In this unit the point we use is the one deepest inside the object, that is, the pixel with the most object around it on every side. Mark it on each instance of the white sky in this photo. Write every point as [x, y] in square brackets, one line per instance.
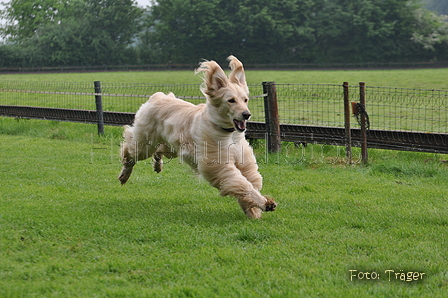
[143, 3]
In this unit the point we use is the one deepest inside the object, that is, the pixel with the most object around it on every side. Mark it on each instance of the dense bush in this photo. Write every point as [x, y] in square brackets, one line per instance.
[88, 32]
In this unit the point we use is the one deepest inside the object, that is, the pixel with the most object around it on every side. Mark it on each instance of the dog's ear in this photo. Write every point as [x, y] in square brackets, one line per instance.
[214, 78]
[237, 75]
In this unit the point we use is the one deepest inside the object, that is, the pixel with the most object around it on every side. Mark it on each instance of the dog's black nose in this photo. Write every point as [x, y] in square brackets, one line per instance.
[246, 115]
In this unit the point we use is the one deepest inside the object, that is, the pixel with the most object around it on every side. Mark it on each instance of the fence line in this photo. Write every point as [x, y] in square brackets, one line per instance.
[400, 118]
[95, 94]
[109, 94]
[117, 97]
[389, 108]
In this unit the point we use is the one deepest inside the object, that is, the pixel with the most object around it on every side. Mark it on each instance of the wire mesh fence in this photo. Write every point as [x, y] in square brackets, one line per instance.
[407, 109]
[116, 97]
[313, 105]
[397, 109]
[71, 95]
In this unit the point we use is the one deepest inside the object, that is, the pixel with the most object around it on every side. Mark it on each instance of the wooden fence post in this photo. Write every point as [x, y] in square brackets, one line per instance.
[348, 135]
[271, 116]
[99, 107]
[362, 101]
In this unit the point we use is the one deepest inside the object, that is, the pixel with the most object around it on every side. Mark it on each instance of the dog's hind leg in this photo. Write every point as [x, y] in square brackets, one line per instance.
[134, 148]
[126, 171]
[128, 156]
[162, 150]
[128, 165]
[158, 162]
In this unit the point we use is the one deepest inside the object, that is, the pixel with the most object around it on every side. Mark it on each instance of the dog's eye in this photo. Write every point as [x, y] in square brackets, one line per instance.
[246, 100]
[232, 100]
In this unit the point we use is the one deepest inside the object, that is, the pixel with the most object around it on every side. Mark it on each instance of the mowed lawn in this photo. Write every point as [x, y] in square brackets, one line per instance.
[68, 229]
[404, 78]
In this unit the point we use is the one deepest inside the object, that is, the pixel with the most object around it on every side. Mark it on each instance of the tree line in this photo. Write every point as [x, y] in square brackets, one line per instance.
[114, 32]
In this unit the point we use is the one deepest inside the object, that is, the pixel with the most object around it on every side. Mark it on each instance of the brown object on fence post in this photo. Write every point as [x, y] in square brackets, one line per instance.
[99, 107]
[348, 135]
[362, 101]
[271, 116]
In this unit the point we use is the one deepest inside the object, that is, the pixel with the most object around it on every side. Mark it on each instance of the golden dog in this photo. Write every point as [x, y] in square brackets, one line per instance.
[209, 137]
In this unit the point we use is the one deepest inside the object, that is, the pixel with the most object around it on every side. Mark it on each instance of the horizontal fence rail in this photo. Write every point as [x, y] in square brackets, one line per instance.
[400, 118]
[82, 116]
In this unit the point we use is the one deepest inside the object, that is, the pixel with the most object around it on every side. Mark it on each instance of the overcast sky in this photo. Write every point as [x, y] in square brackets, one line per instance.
[143, 3]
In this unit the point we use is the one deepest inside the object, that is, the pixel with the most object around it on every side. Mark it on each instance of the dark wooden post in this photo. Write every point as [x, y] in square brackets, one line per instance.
[99, 107]
[348, 135]
[362, 101]
[271, 116]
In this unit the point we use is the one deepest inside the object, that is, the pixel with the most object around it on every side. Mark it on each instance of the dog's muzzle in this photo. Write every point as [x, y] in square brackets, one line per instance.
[240, 125]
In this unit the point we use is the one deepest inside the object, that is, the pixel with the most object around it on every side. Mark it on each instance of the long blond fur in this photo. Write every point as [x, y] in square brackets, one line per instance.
[209, 137]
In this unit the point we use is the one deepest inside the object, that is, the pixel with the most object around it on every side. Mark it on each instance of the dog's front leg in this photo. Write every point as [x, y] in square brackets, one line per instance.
[229, 180]
[254, 210]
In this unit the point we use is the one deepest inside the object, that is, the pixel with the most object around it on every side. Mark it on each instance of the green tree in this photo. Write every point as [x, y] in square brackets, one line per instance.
[366, 30]
[255, 30]
[10, 56]
[67, 32]
[24, 17]
[271, 31]
[74, 32]
[432, 33]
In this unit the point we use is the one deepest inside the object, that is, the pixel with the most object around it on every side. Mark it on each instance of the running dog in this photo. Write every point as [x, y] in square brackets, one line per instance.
[209, 137]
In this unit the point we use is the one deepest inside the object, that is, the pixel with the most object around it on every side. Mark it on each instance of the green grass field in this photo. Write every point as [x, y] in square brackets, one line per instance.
[415, 78]
[68, 229]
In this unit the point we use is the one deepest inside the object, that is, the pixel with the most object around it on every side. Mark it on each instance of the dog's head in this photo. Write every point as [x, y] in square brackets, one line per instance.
[227, 98]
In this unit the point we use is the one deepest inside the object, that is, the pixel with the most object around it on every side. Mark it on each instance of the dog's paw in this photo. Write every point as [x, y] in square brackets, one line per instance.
[270, 205]
[125, 174]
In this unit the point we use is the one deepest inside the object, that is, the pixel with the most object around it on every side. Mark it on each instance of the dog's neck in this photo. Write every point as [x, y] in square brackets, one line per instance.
[229, 130]
[232, 129]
